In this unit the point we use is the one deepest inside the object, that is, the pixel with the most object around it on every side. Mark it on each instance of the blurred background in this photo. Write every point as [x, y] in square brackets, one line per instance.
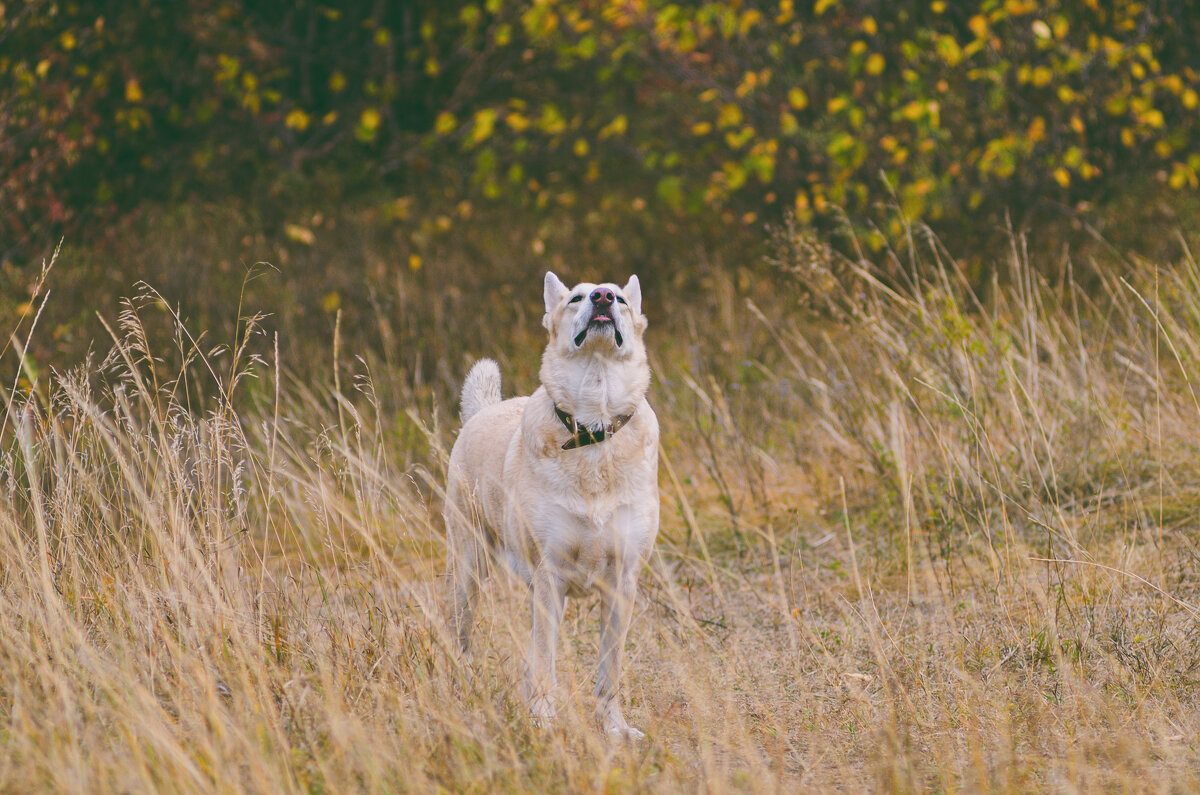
[924, 329]
[399, 162]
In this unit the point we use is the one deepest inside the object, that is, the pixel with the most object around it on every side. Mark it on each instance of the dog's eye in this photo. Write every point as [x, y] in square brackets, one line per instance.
[577, 299]
[620, 300]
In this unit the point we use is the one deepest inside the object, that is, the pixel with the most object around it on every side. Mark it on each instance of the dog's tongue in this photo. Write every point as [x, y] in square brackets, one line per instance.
[598, 318]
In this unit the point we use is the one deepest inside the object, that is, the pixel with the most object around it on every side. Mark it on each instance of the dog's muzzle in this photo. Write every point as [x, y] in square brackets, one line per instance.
[603, 315]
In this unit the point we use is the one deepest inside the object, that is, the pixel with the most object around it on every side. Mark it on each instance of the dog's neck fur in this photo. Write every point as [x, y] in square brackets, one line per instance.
[593, 387]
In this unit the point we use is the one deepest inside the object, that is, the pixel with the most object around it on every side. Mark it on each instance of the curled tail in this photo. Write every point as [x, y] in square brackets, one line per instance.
[481, 388]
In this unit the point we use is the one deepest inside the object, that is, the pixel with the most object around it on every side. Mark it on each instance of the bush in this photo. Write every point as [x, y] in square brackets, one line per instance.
[735, 110]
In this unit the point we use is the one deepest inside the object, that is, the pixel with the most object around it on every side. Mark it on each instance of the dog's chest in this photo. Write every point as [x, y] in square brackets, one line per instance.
[599, 473]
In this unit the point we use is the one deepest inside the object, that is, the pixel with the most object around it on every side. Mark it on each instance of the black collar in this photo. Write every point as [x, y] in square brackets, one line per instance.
[583, 436]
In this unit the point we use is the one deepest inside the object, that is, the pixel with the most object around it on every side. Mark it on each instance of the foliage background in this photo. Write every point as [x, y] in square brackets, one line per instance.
[729, 111]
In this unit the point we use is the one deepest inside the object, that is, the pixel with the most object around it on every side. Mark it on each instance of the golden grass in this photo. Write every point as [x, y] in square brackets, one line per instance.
[912, 541]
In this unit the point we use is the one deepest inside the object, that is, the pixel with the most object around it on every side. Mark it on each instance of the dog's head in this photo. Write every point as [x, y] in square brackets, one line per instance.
[594, 317]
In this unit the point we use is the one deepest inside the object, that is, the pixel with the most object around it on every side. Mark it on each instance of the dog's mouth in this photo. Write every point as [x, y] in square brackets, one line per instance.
[601, 318]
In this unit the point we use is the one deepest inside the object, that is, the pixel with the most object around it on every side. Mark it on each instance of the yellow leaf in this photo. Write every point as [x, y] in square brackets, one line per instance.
[581, 147]
[1037, 130]
[788, 125]
[978, 25]
[1189, 99]
[748, 84]
[1041, 29]
[617, 126]
[516, 121]
[803, 210]
[786, 12]
[300, 234]
[749, 19]
[337, 82]
[485, 122]
[414, 262]
[445, 123]
[297, 120]
[1062, 176]
[331, 301]
[552, 121]
[370, 119]
[730, 116]
[875, 64]
[869, 26]
[133, 91]
[67, 40]
[701, 128]
[797, 98]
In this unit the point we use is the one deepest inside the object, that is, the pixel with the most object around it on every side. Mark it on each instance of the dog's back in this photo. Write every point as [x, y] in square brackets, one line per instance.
[478, 455]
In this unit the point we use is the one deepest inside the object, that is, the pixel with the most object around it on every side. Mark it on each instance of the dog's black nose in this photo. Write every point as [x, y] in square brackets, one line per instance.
[602, 296]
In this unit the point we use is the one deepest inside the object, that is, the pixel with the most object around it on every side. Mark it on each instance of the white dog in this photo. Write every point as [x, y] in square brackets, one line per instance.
[562, 485]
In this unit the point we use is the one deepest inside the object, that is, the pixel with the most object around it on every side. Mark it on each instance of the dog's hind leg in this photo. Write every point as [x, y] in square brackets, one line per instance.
[466, 565]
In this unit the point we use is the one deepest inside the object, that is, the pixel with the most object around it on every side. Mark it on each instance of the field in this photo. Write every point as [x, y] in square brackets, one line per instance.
[917, 536]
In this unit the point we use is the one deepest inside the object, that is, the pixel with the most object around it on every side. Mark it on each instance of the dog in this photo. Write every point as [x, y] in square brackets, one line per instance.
[561, 485]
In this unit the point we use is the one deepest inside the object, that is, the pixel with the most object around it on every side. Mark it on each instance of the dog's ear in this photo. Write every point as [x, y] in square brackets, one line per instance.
[553, 293]
[633, 294]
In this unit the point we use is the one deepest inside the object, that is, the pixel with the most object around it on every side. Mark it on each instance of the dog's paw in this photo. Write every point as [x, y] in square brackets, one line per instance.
[624, 733]
[542, 712]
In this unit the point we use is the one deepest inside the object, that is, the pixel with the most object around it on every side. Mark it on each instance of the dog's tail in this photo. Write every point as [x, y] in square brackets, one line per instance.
[481, 388]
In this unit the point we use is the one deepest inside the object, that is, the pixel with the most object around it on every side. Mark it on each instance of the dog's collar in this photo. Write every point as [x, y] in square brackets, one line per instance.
[582, 436]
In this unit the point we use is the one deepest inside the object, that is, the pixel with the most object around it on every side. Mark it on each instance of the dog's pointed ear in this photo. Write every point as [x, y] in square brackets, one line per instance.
[554, 291]
[633, 294]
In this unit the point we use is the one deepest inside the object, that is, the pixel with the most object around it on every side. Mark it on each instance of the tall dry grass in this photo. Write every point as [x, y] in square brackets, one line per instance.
[913, 540]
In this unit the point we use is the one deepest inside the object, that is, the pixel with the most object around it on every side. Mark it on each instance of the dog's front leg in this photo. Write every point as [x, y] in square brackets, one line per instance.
[616, 612]
[548, 595]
